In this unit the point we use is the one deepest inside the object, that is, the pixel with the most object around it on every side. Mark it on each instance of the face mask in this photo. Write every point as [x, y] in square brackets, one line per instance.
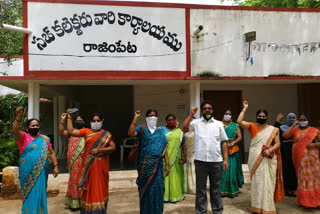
[227, 117]
[79, 125]
[171, 123]
[303, 123]
[96, 126]
[291, 122]
[207, 116]
[261, 120]
[33, 131]
[152, 123]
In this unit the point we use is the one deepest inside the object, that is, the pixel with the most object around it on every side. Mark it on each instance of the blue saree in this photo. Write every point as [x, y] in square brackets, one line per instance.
[33, 172]
[150, 170]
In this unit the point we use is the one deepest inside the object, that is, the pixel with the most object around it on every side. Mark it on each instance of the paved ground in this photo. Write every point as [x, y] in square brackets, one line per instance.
[126, 202]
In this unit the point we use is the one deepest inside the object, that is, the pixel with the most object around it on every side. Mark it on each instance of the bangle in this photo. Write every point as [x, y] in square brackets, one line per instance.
[56, 165]
[18, 120]
[133, 124]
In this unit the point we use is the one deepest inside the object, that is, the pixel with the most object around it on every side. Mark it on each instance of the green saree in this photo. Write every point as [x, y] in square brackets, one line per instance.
[175, 183]
[232, 179]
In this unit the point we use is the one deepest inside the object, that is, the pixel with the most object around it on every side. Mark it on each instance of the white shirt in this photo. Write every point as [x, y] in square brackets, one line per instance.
[208, 137]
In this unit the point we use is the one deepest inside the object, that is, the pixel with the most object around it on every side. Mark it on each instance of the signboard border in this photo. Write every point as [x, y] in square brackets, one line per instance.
[108, 75]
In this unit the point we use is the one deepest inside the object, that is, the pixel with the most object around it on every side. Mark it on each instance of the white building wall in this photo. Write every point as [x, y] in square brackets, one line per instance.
[274, 98]
[280, 36]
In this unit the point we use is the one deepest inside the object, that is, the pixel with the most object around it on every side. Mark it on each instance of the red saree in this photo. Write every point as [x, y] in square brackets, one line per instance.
[94, 178]
[307, 164]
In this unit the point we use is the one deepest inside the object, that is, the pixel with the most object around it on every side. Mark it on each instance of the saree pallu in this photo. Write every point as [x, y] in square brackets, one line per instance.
[33, 172]
[150, 171]
[74, 163]
[232, 179]
[191, 171]
[307, 164]
[266, 182]
[175, 183]
[94, 177]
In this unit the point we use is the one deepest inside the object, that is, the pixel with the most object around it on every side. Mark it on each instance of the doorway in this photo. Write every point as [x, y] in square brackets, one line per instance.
[223, 100]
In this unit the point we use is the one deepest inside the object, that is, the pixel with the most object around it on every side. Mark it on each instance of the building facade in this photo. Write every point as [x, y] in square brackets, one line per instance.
[116, 57]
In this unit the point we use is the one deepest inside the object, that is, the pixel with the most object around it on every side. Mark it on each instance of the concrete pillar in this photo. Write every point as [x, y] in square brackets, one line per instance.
[195, 98]
[33, 100]
[55, 125]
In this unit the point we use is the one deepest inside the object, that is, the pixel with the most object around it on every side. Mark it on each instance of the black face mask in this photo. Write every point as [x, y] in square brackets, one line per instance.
[79, 125]
[33, 131]
[261, 120]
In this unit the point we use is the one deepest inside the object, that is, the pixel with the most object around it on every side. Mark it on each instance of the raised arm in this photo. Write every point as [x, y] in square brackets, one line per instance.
[16, 124]
[288, 133]
[62, 131]
[243, 124]
[72, 131]
[132, 129]
[187, 121]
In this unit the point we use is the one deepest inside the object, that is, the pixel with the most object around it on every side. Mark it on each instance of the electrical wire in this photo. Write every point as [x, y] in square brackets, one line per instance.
[127, 56]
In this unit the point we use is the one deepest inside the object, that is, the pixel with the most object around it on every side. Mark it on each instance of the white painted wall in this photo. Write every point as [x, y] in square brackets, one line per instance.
[222, 39]
[164, 98]
[274, 98]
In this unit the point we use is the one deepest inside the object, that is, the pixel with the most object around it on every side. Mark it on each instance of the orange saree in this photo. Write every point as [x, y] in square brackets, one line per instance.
[94, 178]
[307, 164]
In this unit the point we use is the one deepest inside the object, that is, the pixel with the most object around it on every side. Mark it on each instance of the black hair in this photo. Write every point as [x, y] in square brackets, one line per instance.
[262, 111]
[228, 110]
[30, 120]
[151, 110]
[205, 103]
[98, 115]
[81, 117]
[304, 114]
[170, 115]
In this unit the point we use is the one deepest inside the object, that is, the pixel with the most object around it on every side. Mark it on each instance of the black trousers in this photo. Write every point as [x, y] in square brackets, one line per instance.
[214, 171]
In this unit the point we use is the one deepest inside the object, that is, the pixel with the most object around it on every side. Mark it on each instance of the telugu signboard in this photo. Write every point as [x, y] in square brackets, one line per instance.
[84, 37]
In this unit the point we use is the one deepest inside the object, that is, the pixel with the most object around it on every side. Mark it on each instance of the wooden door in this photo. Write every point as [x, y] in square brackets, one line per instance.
[223, 100]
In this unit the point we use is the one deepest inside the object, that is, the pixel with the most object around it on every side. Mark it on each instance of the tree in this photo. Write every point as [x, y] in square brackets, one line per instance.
[11, 42]
[279, 3]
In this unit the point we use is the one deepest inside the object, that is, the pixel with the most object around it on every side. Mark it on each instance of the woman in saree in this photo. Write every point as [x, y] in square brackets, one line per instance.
[232, 179]
[289, 174]
[35, 151]
[306, 160]
[74, 161]
[264, 162]
[152, 150]
[94, 176]
[175, 183]
[191, 171]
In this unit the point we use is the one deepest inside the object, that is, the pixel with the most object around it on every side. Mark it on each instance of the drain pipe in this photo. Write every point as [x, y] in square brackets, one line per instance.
[15, 28]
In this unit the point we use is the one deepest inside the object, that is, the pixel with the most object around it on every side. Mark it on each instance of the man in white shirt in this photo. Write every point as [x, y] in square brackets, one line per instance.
[209, 136]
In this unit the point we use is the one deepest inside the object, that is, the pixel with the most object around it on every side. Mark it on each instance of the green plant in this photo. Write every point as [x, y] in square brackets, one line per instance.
[8, 105]
[9, 151]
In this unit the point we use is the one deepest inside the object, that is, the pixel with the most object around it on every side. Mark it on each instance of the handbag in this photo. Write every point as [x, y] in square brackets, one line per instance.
[134, 151]
[233, 149]
[265, 148]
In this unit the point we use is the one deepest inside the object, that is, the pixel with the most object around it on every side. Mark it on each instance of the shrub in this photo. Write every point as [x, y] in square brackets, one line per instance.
[9, 151]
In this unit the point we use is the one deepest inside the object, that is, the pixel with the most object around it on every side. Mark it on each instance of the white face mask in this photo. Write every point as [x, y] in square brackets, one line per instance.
[227, 117]
[96, 126]
[152, 123]
[303, 123]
